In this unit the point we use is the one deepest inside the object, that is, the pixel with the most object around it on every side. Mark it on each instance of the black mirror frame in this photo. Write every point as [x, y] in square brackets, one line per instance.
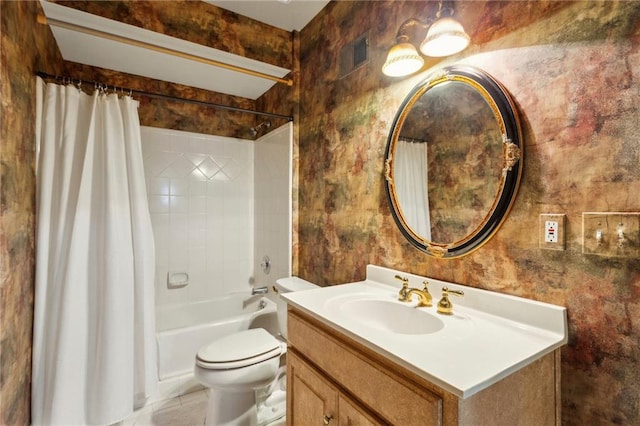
[505, 112]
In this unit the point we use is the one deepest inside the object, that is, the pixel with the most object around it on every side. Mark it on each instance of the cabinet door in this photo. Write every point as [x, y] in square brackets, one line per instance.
[352, 415]
[391, 396]
[312, 400]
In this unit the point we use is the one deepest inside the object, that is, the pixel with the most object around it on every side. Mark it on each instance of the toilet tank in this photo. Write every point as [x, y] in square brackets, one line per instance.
[287, 285]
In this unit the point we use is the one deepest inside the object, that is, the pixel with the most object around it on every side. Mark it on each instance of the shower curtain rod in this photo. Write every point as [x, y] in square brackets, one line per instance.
[97, 33]
[96, 84]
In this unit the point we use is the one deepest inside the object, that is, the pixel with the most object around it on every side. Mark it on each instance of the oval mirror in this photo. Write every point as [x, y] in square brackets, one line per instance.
[453, 161]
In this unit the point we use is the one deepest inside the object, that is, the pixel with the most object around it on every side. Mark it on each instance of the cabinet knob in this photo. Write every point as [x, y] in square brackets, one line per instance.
[326, 420]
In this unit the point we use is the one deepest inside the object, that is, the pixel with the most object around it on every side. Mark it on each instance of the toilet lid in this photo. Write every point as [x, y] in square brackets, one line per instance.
[239, 349]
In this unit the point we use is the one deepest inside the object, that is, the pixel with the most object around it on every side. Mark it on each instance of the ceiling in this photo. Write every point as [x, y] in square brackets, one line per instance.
[286, 14]
[105, 52]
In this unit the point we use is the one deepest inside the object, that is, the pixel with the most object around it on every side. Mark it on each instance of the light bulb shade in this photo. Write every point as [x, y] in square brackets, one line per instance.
[445, 37]
[403, 59]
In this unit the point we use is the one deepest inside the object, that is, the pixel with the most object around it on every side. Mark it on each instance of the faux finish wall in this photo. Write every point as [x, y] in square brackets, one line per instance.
[573, 70]
[26, 47]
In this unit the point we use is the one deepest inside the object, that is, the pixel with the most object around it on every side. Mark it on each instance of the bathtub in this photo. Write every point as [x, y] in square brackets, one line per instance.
[182, 329]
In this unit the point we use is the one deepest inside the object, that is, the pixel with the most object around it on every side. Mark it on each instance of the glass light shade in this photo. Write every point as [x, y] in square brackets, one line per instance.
[445, 37]
[403, 59]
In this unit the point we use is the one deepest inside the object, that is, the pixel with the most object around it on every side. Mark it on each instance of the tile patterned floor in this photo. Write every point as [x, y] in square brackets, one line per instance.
[185, 410]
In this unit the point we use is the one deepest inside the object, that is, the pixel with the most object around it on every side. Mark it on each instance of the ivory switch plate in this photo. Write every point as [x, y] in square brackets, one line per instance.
[552, 231]
[611, 234]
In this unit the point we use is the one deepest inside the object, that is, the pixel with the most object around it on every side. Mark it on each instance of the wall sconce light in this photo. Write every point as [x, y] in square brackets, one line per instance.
[444, 37]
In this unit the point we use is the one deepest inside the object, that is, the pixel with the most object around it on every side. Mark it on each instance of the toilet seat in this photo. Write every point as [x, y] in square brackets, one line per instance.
[239, 350]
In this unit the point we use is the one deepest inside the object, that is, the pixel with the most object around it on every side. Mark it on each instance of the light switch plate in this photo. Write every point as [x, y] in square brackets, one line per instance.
[552, 231]
[611, 234]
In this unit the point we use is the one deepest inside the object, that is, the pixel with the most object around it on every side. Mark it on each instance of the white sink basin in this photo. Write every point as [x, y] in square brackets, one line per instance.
[391, 316]
[488, 337]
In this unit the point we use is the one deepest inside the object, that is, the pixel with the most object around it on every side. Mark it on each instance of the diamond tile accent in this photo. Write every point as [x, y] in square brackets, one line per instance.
[181, 167]
[197, 175]
[209, 167]
[232, 169]
[196, 159]
[158, 161]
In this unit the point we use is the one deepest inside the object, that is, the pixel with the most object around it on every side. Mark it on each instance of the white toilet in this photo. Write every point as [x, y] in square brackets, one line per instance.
[237, 366]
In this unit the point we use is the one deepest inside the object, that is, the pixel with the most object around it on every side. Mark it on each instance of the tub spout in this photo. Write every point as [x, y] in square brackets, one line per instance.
[259, 290]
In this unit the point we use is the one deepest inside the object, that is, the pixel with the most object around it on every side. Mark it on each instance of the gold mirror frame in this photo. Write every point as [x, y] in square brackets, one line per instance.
[507, 120]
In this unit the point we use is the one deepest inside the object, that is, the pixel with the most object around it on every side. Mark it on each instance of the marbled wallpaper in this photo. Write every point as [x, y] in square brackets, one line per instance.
[573, 71]
[26, 47]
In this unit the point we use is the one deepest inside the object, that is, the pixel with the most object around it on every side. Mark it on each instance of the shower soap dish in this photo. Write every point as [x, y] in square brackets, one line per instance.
[177, 279]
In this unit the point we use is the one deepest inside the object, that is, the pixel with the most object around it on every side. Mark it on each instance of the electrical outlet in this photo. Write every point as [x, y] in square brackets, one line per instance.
[552, 231]
[611, 234]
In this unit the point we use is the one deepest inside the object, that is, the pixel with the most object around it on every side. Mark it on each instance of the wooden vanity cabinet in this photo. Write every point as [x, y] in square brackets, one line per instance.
[334, 380]
[315, 400]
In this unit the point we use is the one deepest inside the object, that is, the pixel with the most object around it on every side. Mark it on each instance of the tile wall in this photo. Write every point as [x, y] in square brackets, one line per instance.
[200, 190]
[272, 192]
[216, 212]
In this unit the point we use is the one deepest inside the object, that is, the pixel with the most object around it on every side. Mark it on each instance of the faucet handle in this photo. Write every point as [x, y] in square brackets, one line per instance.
[403, 294]
[445, 306]
[404, 280]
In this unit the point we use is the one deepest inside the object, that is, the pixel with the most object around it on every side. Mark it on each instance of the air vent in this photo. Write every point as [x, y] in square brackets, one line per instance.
[354, 55]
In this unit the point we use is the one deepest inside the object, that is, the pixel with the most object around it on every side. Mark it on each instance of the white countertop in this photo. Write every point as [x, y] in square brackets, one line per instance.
[488, 337]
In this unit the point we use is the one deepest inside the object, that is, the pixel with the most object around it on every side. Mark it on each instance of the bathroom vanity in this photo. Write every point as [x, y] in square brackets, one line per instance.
[358, 356]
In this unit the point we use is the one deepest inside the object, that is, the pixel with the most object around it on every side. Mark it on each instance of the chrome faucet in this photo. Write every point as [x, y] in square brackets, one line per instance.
[259, 290]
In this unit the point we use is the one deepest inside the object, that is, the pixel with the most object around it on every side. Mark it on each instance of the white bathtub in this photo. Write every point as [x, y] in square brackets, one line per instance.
[183, 329]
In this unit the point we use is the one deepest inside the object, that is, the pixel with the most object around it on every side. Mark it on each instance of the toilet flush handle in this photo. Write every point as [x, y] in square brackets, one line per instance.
[327, 419]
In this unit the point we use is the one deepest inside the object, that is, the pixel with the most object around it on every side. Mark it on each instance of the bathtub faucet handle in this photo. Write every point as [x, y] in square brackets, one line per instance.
[266, 265]
[259, 290]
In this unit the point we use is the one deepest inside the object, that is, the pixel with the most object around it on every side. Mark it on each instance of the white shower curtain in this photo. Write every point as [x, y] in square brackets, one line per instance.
[94, 327]
[411, 182]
